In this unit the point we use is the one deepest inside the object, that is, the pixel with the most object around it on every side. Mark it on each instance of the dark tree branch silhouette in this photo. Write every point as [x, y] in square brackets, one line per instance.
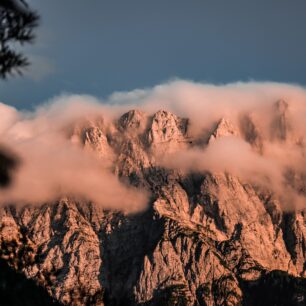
[17, 24]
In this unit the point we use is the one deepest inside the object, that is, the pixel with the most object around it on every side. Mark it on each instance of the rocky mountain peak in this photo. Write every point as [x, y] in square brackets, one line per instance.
[280, 126]
[251, 132]
[224, 128]
[133, 120]
[93, 137]
[281, 106]
[166, 130]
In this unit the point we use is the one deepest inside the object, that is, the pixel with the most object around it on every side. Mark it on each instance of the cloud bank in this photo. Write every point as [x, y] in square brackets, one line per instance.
[53, 166]
[268, 148]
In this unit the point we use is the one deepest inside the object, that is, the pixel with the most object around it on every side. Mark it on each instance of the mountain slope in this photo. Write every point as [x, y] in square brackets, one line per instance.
[207, 238]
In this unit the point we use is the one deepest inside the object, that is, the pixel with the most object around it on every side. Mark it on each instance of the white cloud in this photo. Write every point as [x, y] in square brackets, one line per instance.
[52, 164]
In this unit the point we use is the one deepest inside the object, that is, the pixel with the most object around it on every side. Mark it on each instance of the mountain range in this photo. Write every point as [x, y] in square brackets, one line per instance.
[207, 236]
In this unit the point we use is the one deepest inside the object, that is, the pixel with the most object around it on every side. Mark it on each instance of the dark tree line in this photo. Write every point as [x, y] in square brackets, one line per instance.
[17, 26]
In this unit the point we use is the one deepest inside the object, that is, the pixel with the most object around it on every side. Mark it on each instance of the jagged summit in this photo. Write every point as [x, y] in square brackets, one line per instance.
[281, 106]
[166, 127]
[94, 138]
[280, 126]
[223, 128]
[251, 132]
[133, 119]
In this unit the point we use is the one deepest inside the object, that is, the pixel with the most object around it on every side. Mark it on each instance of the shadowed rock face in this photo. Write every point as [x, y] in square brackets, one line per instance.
[206, 239]
[17, 290]
[275, 288]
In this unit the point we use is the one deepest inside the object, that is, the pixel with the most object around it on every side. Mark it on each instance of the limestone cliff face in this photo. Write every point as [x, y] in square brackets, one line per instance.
[204, 237]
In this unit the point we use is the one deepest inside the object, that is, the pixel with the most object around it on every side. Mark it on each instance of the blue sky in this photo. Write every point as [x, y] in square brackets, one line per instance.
[97, 47]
